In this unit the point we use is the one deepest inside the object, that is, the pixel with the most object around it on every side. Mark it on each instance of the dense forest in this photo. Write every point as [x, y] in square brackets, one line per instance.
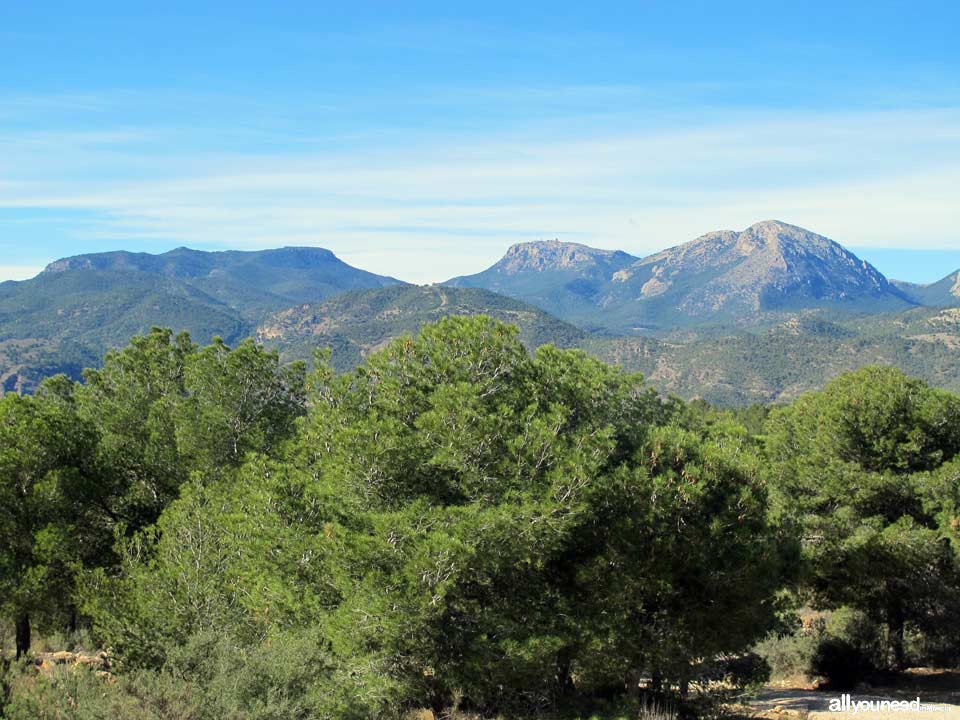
[460, 525]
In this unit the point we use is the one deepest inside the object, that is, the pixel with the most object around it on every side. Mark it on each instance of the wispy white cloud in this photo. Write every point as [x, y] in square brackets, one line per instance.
[444, 203]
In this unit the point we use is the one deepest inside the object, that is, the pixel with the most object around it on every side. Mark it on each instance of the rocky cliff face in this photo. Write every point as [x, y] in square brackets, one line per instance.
[768, 266]
[723, 277]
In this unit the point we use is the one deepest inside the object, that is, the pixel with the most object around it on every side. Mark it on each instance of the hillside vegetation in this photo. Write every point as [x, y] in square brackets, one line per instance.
[68, 316]
[354, 324]
[779, 363]
[458, 524]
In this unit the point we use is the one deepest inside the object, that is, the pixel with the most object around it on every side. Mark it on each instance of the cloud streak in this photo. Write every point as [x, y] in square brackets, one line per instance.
[447, 203]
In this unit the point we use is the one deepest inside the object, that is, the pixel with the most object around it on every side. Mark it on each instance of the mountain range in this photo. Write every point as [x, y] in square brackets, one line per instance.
[735, 317]
[736, 279]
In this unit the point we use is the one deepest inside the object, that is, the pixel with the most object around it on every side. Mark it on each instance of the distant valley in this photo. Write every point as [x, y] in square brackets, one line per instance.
[735, 317]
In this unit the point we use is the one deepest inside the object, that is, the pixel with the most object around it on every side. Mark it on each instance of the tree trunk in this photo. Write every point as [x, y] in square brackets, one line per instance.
[23, 635]
[895, 631]
[562, 680]
[656, 682]
[439, 701]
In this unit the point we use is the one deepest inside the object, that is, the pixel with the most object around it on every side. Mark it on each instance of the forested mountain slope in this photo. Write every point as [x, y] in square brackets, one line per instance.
[66, 317]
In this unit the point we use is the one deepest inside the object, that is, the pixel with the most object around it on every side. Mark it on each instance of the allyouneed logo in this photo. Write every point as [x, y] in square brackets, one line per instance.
[845, 703]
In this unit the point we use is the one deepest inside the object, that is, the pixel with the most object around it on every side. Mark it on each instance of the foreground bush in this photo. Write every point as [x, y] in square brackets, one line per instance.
[789, 654]
[459, 521]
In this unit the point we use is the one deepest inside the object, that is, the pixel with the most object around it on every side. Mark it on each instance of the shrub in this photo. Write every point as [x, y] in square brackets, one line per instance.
[841, 663]
[854, 627]
[288, 676]
[68, 693]
[789, 655]
[747, 672]
[654, 709]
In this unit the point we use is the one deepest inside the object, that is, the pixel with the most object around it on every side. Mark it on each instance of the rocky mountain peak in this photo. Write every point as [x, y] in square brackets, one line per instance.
[773, 246]
[544, 255]
[780, 237]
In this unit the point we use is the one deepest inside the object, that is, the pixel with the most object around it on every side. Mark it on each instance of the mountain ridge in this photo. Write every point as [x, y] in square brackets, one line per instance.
[942, 293]
[252, 281]
[723, 277]
[554, 254]
[68, 315]
[561, 278]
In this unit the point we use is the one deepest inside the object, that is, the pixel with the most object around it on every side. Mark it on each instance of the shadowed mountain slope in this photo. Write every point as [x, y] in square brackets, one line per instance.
[943, 293]
[251, 282]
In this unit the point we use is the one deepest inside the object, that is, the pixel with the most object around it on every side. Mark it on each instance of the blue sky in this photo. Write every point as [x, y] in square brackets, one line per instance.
[420, 140]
